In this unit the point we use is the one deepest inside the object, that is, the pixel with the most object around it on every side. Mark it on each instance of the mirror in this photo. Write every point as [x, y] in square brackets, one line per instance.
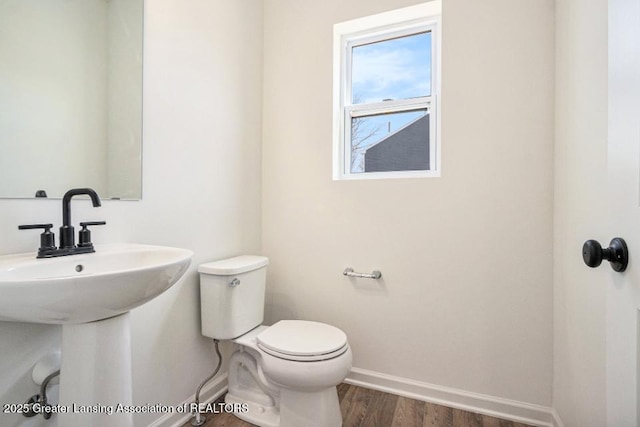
[71, 97]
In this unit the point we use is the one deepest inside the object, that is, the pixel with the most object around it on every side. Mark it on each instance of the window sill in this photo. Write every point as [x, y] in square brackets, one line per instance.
[387, 175]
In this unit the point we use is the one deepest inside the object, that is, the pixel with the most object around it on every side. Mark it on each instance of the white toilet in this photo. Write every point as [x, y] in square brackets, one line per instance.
[287, 373]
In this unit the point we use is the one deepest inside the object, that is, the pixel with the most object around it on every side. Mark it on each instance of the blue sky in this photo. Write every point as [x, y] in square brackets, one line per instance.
[392, 69]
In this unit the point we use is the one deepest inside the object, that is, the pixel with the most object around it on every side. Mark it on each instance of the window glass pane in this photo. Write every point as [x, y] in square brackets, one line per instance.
[399, 68]
[390, 142]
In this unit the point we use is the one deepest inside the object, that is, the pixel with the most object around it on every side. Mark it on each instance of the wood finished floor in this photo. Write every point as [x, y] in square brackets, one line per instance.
[362, 407]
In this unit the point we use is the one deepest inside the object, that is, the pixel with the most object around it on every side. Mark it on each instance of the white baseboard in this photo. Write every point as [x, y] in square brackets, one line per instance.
[473, 402]
[210, 392]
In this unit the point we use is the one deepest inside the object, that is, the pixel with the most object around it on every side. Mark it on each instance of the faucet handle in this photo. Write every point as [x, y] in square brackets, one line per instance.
[84, 239]
[90, 223]
[47, 238]
[47, 227]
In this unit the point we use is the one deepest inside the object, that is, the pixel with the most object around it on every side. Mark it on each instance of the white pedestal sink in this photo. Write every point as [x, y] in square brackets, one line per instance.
[90, 295]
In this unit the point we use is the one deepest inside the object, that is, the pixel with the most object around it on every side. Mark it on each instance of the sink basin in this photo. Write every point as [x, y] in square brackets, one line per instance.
[89, 287]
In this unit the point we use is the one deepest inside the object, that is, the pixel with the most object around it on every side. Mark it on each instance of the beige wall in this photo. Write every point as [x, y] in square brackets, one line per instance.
[466, 299]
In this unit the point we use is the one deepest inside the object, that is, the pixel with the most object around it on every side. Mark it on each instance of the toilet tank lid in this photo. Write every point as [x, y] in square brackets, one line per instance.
[235, 265]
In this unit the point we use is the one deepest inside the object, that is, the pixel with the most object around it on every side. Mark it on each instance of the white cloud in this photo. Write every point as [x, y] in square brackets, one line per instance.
[387, 73]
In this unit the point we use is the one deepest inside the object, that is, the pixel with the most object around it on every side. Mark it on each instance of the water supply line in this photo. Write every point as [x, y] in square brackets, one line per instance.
[198, 418]
[40, 399]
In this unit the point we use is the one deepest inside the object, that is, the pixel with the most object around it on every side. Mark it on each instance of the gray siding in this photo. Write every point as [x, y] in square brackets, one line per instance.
[407, 149]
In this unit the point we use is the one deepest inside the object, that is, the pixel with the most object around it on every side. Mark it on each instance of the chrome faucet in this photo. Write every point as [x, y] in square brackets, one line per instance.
[67, 234]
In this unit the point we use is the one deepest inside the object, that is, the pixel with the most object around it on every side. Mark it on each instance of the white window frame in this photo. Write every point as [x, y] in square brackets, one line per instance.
[403, 22]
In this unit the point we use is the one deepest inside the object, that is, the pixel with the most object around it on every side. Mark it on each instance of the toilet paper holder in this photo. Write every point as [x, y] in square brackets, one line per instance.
[350, 273]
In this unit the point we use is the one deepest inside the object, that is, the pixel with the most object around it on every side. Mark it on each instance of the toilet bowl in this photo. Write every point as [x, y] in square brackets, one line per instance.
[285, 375]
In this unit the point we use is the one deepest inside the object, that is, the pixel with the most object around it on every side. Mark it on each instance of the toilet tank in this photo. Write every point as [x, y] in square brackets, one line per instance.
[232, 295]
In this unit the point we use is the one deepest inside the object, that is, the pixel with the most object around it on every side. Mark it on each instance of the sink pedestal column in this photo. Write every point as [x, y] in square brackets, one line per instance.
[96, 373]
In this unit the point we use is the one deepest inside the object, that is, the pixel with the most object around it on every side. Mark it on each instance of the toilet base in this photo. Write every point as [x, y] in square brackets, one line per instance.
[309, 409]
[315, 409]
[260, 415]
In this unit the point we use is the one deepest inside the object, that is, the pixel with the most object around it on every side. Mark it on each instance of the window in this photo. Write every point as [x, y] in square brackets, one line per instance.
[386, 87]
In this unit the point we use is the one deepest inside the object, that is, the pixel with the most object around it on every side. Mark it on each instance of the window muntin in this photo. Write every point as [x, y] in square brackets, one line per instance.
[386, 73]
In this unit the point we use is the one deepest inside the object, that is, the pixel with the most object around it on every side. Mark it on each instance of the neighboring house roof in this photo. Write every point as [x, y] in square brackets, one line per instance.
[405, 149]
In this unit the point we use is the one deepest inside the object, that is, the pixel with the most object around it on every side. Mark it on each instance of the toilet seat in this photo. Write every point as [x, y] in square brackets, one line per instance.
[302, 341]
